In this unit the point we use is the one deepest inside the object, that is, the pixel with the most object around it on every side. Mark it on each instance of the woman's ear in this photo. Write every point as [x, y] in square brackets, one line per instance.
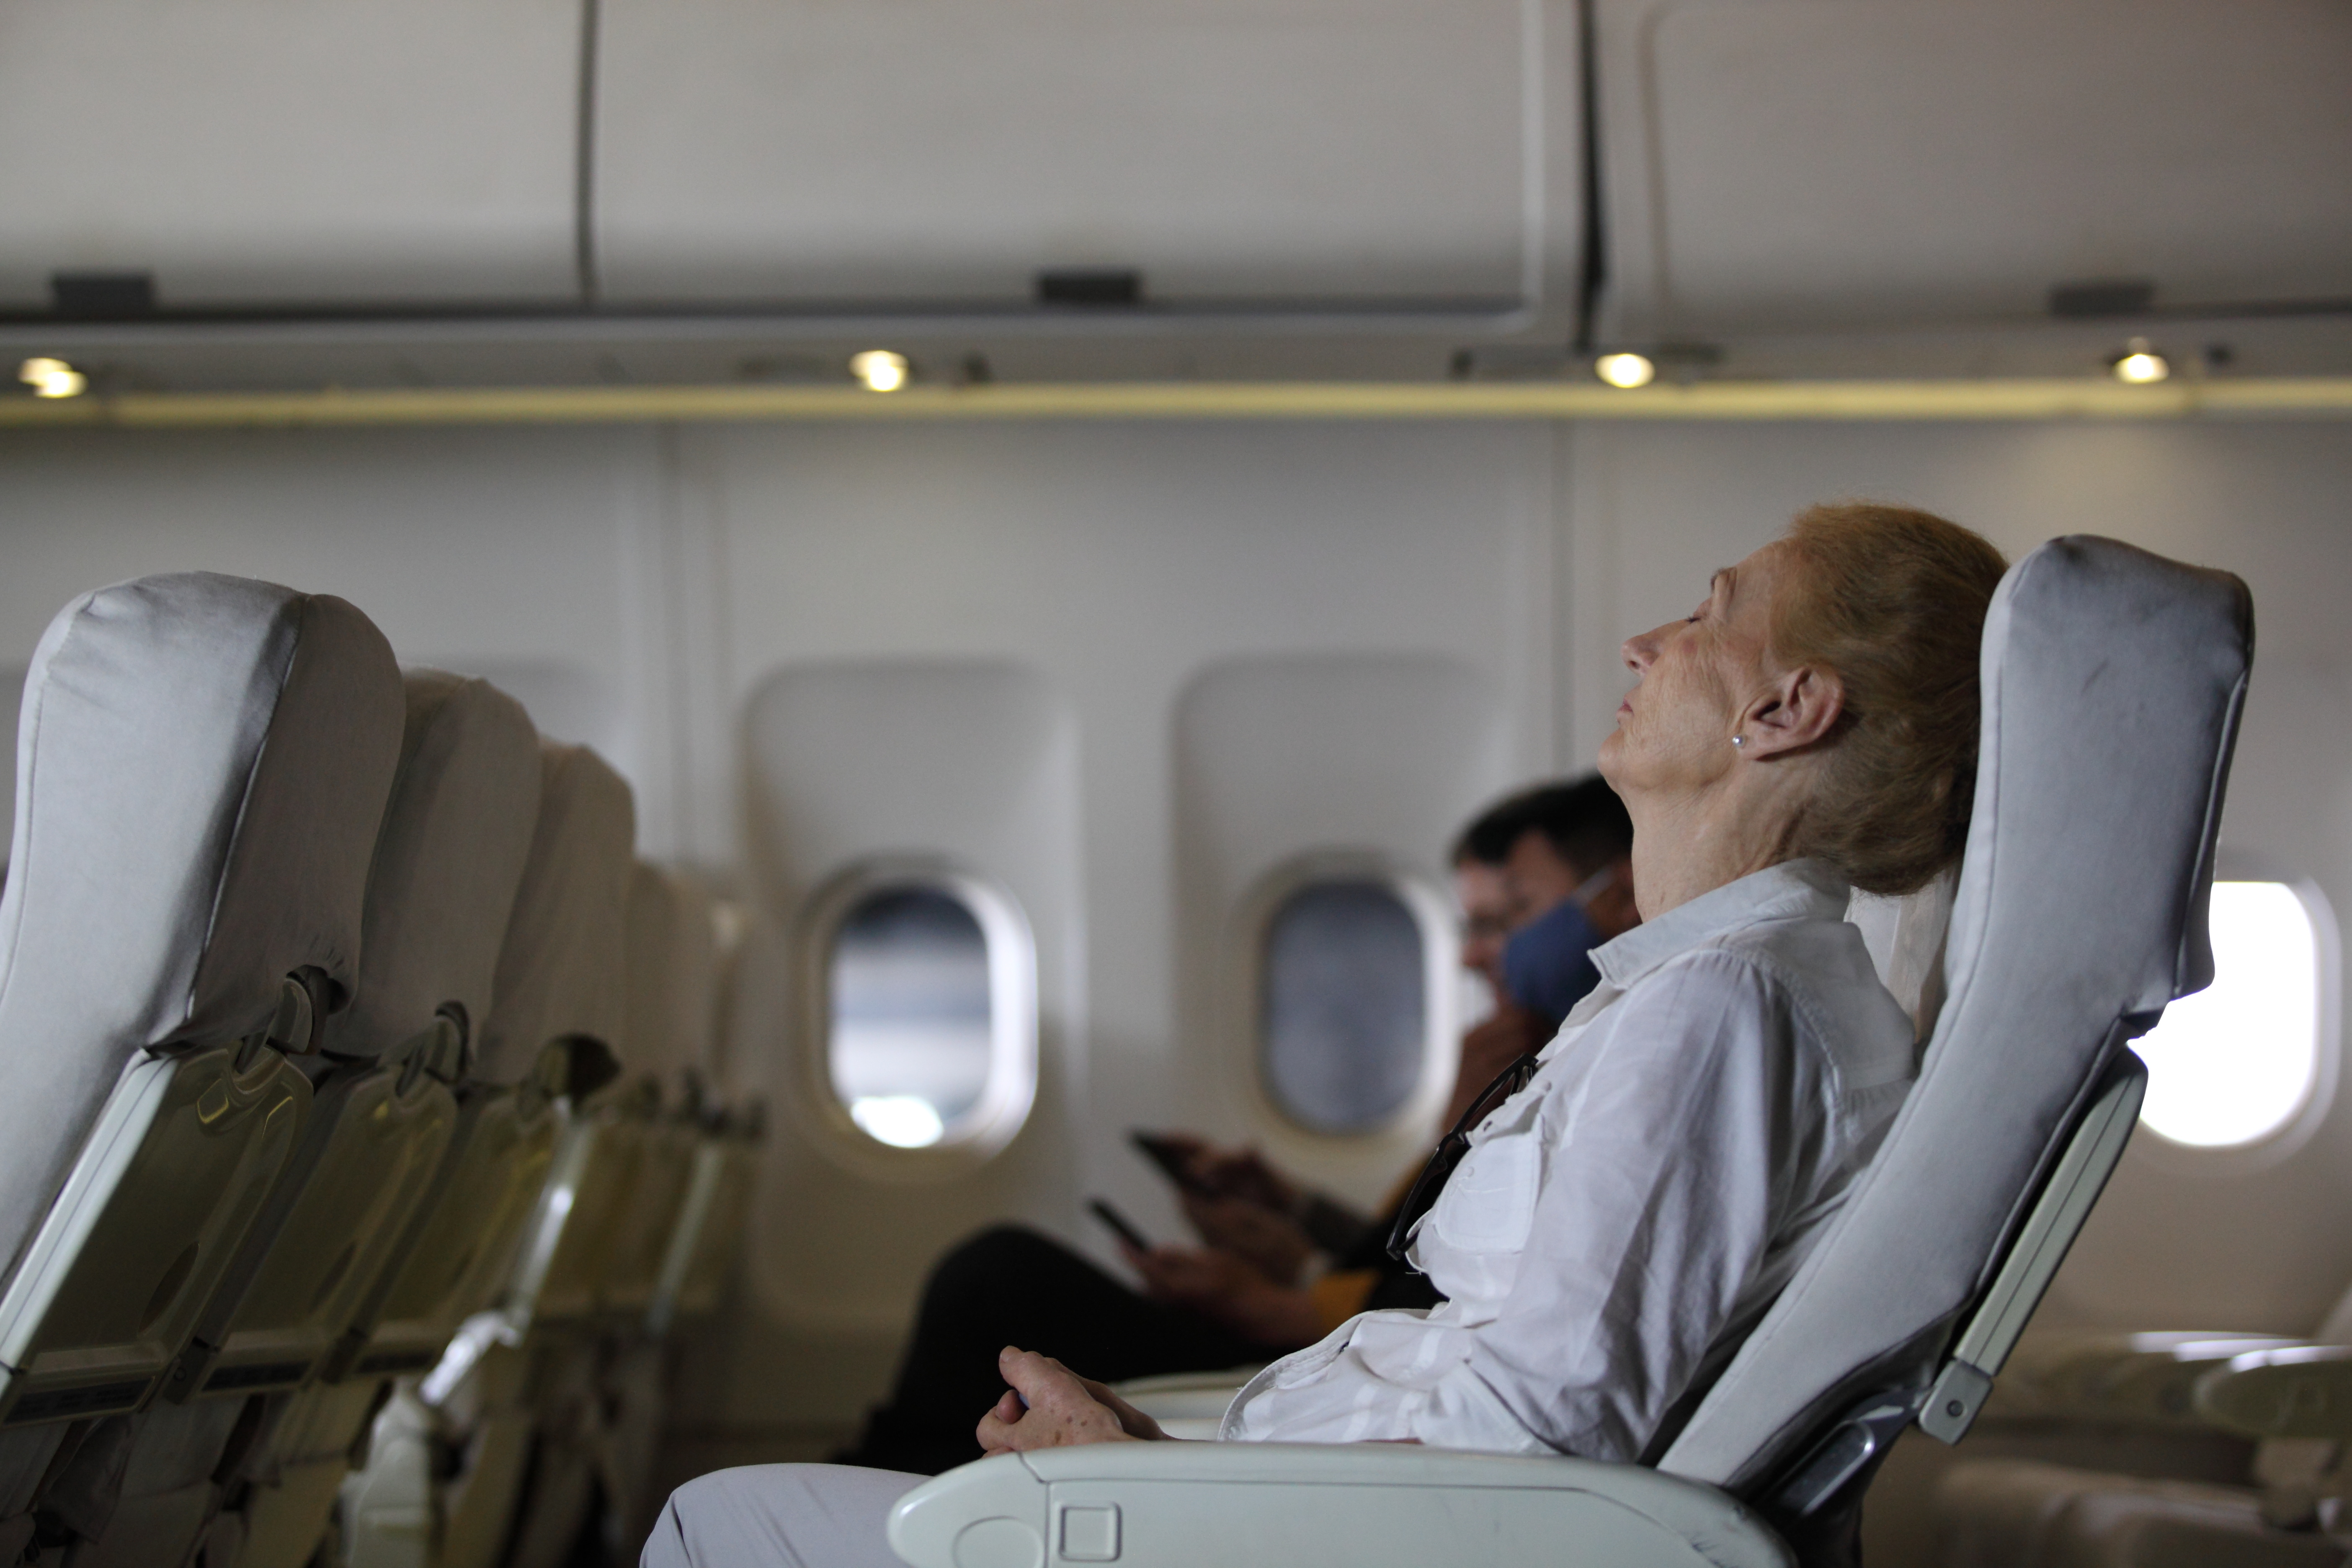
[1801, 707]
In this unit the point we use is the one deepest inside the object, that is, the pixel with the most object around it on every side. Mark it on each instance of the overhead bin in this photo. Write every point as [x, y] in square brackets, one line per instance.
[278, 153]
[1802, 164]
[950, 152]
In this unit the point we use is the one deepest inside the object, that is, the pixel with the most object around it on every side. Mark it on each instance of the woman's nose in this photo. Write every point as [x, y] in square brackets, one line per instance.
[1639, 651]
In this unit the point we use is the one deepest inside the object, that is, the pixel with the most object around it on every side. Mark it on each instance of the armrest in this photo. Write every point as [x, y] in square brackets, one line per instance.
[2294, 1391]
[1187, 1404]
[2146, 1379]
[1294, 1505]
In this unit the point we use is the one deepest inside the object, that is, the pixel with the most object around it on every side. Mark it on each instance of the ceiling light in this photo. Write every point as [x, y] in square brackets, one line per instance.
[879, 369]
[51, 378]
[2139, 364]
[1624, 370]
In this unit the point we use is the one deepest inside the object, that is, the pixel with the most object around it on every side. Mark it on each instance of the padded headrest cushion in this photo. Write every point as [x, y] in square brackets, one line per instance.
[447, 862]
[2112, 683]
[562, 967]
[202, 765]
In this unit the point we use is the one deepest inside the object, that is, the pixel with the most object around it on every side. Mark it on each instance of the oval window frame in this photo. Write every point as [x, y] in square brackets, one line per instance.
[1010, 1091]
[1248, 930]
[2288, 1138]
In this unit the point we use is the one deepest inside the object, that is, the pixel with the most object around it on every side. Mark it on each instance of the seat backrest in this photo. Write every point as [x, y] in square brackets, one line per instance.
[563, 981]
[746, 945]
[2113, 682]
[441, 887]
[448, 869]
[673, 962]
[561, 971]
[202, 764]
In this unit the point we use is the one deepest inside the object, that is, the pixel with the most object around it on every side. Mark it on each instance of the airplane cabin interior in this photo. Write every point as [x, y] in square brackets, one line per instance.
[719, 702]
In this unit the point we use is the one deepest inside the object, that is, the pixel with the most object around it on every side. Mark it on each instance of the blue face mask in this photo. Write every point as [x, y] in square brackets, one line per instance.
[1547, 965]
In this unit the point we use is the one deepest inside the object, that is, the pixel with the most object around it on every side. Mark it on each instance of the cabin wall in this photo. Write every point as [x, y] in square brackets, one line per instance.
[637, 585]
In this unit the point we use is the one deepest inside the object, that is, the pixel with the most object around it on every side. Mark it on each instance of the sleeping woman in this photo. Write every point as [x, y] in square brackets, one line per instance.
[1611, 1218]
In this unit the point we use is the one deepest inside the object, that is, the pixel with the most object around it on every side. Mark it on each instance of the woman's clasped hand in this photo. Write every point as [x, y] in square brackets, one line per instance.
[1050, 1406]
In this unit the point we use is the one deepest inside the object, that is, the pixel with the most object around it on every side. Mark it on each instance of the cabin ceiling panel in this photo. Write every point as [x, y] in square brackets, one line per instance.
[948, 151]
[1800, 164]
[269, 152]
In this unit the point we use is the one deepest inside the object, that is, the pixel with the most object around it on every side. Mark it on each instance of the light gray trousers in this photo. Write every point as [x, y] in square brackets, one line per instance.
[780, 1516]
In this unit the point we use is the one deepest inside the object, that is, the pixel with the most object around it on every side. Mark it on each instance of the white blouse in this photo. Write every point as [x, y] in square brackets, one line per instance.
[1619, 1226]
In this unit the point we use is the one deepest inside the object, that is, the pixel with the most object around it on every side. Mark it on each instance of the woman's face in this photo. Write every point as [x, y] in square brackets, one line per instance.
[1693, 679]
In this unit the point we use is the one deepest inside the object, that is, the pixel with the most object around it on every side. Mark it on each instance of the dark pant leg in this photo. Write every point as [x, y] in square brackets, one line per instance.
[1009, 1286]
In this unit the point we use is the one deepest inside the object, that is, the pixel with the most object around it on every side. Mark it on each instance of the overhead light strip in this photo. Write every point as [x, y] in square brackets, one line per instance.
[1718, 400]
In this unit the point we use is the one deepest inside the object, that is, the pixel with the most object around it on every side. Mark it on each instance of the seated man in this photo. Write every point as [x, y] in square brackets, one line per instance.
[1243, 1297]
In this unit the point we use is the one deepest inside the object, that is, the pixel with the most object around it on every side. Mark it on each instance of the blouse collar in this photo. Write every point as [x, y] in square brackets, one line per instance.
[1803, 889]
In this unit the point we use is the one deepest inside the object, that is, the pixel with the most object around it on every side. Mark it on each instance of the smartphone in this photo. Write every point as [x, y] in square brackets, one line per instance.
[1172, 1161]
[1119, 1224]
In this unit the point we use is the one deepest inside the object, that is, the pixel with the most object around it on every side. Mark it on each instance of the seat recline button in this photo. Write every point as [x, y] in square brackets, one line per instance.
[1090, 1534]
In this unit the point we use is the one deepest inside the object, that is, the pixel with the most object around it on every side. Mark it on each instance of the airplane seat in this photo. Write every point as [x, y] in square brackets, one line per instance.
[669, 1006]
[702, 1256]
[452, 1452]
[2289, 1510]
[672, 965]
[203, 763]
[2112, 683]
[624, 1367]
[446, 867]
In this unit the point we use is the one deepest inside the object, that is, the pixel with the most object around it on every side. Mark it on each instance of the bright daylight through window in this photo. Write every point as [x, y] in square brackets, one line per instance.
[909, 1049]
[2235, 1062]
[1343, 1018]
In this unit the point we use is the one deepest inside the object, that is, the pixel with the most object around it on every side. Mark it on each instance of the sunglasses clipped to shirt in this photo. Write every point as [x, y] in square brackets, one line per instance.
[1451, 1148]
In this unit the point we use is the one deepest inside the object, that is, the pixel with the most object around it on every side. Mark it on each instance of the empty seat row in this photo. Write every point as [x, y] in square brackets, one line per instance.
[313, 992]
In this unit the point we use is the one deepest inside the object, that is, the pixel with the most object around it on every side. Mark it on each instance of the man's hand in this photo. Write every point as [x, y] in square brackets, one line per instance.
[1241, 1173]
[1273, 1244]
[1050, 1406]
[1223, 1286]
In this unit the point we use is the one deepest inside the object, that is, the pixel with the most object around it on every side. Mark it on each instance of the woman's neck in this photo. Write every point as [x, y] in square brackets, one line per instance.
[1695, 844]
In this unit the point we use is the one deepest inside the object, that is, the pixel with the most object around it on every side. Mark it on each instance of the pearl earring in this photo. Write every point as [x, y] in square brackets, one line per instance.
[1739, 740]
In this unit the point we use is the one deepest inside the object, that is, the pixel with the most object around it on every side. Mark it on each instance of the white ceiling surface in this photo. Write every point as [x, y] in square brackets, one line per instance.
[1316, 149]
[1779, 165]
[278, 151]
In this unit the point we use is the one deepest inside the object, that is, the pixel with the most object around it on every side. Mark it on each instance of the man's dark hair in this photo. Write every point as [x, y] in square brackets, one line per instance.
[1584, 821]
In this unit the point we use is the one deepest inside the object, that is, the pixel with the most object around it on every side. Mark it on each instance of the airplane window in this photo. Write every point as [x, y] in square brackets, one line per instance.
[1343, 1018]
[912, 1035]
[2235, 1062]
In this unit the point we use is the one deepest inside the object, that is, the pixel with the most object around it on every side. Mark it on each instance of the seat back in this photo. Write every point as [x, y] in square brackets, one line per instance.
[2112, 682]
[719, 1204]
[561, 981]
[203, 763]
[384, 1112]
[443, 887]
[671, 959]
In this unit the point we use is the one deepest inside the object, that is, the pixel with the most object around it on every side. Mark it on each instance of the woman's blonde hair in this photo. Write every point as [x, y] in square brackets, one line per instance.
[1893, 601]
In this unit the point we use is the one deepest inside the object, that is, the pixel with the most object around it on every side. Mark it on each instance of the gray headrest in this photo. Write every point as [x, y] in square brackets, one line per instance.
[2113, 682]
[202, 763]
[562, 968]
[447, 862]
